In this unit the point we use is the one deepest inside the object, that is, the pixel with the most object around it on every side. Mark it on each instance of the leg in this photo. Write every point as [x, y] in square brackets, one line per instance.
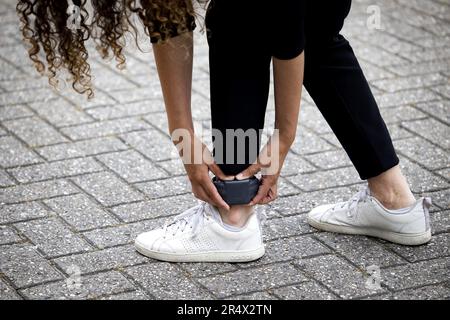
[335, 81]
[239, 79]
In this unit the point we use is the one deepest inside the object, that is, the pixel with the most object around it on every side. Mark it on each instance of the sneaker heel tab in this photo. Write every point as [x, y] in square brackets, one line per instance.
[427, 203]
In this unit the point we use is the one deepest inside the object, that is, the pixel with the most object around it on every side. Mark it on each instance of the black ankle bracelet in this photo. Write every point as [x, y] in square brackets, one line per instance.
[237, 192]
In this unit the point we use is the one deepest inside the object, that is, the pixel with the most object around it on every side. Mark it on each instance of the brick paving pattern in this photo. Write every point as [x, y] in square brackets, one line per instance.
[80, 179]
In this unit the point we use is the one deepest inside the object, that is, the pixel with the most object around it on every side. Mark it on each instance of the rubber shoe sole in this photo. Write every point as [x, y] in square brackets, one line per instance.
[414, 239]
[214, 256]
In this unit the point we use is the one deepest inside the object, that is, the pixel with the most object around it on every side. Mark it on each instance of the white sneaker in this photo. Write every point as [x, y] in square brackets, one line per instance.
[198, 235]
[365, 215]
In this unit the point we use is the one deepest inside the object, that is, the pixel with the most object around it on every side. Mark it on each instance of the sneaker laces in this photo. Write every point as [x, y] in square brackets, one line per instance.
[193, 218]
[351, 205]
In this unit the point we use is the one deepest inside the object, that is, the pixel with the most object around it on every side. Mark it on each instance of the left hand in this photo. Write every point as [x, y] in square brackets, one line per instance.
[269, 162]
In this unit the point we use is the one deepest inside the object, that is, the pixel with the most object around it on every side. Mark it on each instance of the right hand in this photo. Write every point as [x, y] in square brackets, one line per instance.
[202, 186]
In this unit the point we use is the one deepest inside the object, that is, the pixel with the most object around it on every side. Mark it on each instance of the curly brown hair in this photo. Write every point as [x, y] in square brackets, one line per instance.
[54, 47]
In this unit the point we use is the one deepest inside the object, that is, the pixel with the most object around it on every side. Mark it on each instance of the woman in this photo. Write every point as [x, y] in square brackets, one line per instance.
[244, 38]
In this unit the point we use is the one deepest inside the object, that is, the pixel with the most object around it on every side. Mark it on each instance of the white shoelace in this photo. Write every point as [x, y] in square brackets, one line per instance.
[352, 204]
[193, 218]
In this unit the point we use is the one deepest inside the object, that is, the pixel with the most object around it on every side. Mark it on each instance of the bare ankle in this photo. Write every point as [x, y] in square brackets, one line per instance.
[392, 189]
[237, 216]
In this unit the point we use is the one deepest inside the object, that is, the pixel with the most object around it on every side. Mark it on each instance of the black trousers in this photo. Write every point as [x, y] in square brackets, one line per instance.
[243, 36]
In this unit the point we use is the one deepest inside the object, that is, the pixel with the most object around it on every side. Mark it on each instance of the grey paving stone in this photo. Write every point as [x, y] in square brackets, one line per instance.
[432, 130]
[14, 112]
[13, 153]
[440, 221]
[443, 90]
[308, 142]
[200, 270]
[339, 276]
[260, 295]
[100, 99]
[121, 234]
[21, 264]
[440, 199]
[360, 250]
[390, 43]
[433, 292]
[438, 247]
[60, 112]
[294, 164]
[305, 291]
[416, 274]
[21, 212]
[286, 249]
[174, 167]
[155, 208]
[256, 279]
[112, 258]
[397, 132]
[414, 82]
[104, 128]
[420, 179]
[131, 295]
[326, 179]
[126, 110]
[381, 58]
[52, 237]
[5, 179]
[34, 131]
[159, 121]
[165, 187]
[8, 293]
[81, 148]
[402, 113]
[107, 188]
[286, 188]
[24, 96]
[286, 227]
[164, 281]
[132, 166]
[330, 159]
[304, 202]
[423, 152]
[444, 173]
[20, 85]
[8, 235]
[35, 191]
[311, 118]
[88, 287]
[406, 97]
[437, 109]
[2, 132]
[81, 212]
[53, 170]
[152, 144]
[147, 93]
[420, 68]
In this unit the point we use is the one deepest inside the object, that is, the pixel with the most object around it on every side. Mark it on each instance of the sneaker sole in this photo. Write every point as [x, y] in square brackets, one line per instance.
[217, 256]
[414, 239]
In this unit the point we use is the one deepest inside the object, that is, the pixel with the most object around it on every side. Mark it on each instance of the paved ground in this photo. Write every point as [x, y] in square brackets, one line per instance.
[78, 180]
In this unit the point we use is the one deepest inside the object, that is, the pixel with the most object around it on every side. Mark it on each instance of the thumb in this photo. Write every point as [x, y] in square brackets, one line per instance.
[249, 172]
[218, 172]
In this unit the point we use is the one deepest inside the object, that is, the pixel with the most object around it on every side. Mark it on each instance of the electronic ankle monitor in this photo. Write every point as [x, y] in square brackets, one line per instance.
[237, 191]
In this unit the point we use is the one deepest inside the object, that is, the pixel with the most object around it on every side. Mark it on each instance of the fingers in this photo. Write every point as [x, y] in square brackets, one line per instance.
[218, 172]
[214, 195]
[249, 172]
[262, 191]
[271, 196]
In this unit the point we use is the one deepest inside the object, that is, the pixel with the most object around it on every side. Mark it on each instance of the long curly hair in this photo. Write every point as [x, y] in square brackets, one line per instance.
[55, 47]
